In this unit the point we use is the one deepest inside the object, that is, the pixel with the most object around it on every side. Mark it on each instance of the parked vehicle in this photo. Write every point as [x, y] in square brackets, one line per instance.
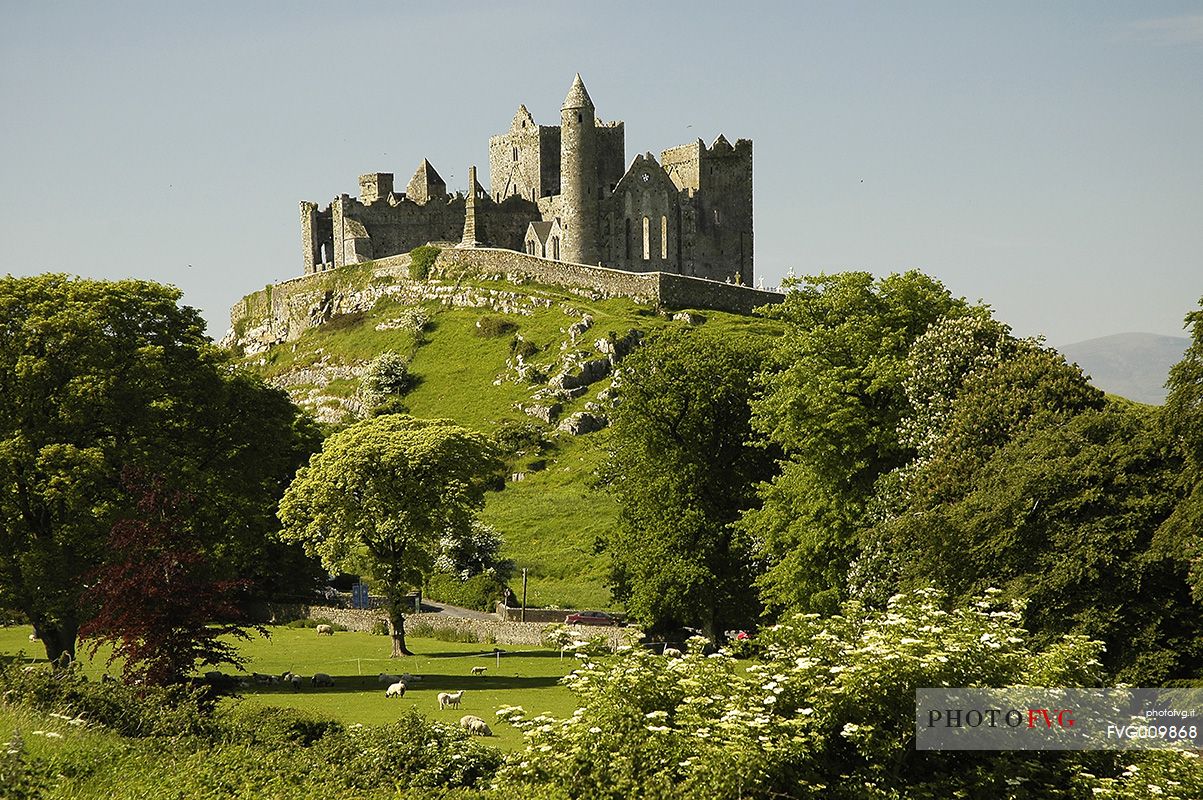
[591, 618]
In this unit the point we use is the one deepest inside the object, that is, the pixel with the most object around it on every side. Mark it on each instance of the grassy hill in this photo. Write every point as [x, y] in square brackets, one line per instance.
[464, 358]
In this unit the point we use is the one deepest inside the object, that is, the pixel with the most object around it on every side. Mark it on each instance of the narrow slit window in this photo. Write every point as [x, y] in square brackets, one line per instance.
[664, 238]
[647, 245]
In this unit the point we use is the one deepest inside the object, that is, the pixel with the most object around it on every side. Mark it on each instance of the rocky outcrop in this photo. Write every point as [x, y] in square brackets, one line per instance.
[548, 413]
[589, 372]
[581, 423]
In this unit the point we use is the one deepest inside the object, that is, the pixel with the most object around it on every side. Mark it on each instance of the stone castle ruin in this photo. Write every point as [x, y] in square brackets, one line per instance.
[560, 192]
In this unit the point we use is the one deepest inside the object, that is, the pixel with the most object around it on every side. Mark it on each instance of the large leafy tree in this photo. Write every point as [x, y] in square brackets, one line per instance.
[1064, 515]
[379, 496]
[98, 376]
[972, 387]
[682, 467]
[1182, 419]
[158, 600]
[833, 400]
[1025, 478]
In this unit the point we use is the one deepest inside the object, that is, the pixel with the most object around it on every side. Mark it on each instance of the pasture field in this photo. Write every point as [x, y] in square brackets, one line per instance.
[526, 676]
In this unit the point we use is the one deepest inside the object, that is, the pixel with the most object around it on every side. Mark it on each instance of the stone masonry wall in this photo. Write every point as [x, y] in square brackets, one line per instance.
[684, 291]
[607, 282]
[491, 631]
[284, 311]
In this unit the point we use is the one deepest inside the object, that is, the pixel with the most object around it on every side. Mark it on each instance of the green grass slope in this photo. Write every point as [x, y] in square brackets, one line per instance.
[551, 519]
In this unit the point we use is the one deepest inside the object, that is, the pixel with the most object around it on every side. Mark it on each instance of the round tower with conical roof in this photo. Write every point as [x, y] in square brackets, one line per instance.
[578, 176]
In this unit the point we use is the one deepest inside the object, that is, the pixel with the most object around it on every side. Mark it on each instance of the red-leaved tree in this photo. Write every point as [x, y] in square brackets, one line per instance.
[157, 599]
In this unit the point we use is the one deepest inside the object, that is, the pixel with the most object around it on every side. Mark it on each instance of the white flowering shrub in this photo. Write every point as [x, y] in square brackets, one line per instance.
[472, 551]
[828, 711]
[1155, 775]
[388, 376]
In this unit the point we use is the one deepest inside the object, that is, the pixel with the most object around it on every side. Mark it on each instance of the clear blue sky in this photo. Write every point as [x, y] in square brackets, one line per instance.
[1044, 157]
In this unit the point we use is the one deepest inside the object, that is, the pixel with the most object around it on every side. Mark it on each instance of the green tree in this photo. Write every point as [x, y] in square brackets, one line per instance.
[98, 376]
[682, 469]
[833, 400]
[1024, 478]
[1182, 419]
[379, 495]
[1064, 516]
[972, 387]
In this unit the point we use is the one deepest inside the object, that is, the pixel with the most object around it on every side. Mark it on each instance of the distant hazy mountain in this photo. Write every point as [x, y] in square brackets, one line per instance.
[1132, 365]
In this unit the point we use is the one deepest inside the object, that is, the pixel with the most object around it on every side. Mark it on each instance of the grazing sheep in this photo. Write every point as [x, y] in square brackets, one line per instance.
[295, 681]
[396, 690]
[407, 678]
[450, 699]
[260, 678]
[33, 637]
[384, 679]
[321, 679]
[671, 652]
[475, 726]
[325, 630]
[479, 670]
[219, 680]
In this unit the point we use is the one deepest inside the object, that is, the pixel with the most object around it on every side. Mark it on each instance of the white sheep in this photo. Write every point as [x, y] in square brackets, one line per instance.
[325, 630]
[395, 690]
[294, 681]
[475, 726]
[450, 699]
[33, 637]
[321, 679]
[671, 652]
[479, 670]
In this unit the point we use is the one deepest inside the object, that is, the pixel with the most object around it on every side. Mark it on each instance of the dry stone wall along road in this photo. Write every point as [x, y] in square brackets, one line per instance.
[488, 627]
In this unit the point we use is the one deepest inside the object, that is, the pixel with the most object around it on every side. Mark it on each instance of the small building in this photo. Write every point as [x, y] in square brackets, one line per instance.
[543, 239]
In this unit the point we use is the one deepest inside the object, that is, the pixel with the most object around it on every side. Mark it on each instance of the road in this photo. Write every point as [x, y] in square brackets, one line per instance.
[431, 607]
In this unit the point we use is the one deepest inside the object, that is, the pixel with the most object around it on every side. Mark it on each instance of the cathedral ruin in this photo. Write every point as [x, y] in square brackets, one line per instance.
[559, 192]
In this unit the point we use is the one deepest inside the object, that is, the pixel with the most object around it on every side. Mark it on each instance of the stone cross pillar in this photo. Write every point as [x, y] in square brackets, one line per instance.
[470, 239]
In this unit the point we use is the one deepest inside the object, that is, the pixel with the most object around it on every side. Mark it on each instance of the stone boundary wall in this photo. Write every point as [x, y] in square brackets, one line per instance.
[662, 288]
[639, 286]
[541, 615]
[685, 291]
[273, 301]
[488, 631]
[283, 311]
